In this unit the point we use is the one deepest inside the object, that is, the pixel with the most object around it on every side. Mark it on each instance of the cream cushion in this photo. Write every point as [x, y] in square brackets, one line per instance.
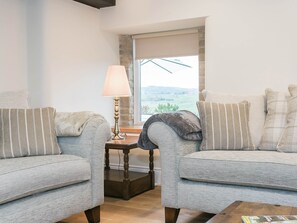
[14, 99]
[275, 119]
[288, 141]
[293, 89]
[256, 114]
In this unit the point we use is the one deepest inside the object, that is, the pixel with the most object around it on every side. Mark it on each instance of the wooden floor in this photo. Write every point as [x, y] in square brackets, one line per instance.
[144, 208]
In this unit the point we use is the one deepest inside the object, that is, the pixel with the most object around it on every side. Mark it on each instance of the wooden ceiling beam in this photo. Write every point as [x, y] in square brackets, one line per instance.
[98, 3]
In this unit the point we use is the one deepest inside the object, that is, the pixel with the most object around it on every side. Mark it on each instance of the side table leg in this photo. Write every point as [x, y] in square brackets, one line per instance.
[107, 167]
[151, 165]
[126, 182]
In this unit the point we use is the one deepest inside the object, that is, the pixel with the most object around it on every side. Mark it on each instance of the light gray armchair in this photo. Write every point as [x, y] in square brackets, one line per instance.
[209, 181]
[58, 185]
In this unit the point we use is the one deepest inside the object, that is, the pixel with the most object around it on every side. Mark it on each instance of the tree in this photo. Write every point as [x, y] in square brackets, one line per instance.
[166, 108]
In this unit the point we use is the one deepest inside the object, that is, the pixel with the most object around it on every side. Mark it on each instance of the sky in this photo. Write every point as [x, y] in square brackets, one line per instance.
[181, 76]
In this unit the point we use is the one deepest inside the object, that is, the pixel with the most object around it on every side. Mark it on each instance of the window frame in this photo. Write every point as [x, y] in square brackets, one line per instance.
[137, 92]
[135, 110]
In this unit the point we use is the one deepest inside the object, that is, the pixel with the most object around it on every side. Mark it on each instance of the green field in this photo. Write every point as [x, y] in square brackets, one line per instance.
[153, 96]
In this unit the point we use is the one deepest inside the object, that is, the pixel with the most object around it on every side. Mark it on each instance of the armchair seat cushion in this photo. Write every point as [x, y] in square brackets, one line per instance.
[26, 176]
[265, 169]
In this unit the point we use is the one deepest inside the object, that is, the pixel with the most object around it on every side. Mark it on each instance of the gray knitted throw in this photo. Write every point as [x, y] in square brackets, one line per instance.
[184, 123]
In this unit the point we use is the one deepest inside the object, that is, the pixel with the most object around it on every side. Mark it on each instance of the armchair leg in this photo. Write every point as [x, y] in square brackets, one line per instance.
[93, 215]
[171, 215]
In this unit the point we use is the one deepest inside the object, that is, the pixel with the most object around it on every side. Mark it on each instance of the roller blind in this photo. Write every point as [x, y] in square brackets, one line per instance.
[166, 44]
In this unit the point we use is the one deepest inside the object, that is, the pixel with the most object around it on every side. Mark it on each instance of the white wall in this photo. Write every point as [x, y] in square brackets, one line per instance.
[250, 44]
[69, 58]
[13, 49]
[136, 16]
[58, 51]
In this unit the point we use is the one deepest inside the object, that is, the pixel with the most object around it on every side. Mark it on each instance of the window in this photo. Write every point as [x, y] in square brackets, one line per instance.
[166, 73]
[167, 84]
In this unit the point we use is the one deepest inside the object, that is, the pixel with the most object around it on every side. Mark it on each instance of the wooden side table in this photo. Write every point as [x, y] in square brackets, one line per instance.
[125, 183]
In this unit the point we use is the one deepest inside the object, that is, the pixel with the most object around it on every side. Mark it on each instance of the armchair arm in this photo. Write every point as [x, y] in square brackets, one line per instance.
[90, 145]
[172, 148]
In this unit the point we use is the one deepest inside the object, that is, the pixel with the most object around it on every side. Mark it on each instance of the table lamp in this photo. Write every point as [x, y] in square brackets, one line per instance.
[116, 85]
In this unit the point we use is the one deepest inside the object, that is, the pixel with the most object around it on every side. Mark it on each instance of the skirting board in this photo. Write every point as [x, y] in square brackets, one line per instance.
[140, 169]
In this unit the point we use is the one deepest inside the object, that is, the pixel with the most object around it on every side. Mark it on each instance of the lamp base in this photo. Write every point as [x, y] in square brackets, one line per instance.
[117, 137]
[116, 129]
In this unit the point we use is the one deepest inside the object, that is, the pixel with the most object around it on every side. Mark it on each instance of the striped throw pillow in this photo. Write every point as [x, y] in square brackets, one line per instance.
[225, 126]
[27, 132]
[288, 140]
[275, 119]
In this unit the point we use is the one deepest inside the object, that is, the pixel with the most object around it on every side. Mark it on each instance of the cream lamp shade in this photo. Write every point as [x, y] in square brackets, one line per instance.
[116, 85]
[116, 82]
